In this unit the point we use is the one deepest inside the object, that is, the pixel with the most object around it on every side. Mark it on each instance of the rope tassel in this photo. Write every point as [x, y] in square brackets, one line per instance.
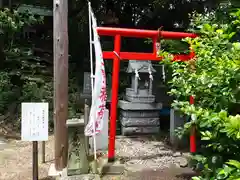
[150, 79]
[136, 81]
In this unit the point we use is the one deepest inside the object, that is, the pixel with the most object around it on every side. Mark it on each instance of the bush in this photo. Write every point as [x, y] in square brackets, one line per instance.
[213, 78]
[23, 76]
[5, 90]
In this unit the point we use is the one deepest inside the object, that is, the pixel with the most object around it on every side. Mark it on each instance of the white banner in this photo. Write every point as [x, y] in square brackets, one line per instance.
[99, 93]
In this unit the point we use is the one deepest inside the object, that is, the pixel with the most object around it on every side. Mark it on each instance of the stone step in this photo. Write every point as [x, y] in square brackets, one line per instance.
[130, 122]
[140, 130]
[140, 172]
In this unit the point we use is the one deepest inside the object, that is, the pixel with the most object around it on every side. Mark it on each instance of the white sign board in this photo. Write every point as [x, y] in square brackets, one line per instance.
[34, 122]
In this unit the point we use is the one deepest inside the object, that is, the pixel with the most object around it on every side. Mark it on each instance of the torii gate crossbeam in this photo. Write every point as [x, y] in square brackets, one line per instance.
[117, 56]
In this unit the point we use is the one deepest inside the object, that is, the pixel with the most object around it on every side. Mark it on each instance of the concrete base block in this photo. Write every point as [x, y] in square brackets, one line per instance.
[104, 168]
[125, 105]
[130, 122]
[139, 113]
[64, 176]
[107, 168]
[81, 177]
[112, 169]
[140, 130]
[52, 172]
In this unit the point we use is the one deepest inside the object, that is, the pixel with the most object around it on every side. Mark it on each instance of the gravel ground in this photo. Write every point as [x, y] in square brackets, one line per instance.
[148, 151]
[149, 156]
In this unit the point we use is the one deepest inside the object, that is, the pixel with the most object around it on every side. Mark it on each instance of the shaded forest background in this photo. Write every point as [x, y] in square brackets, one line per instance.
[26, 50]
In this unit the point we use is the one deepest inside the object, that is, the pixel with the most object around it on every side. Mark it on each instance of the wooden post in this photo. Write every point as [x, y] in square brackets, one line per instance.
[86, 119]
[35, 160]
[43, 151]
[9, 4]
[60, 17]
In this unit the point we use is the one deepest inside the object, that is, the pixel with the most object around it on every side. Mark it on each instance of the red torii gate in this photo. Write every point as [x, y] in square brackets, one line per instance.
[117, 56]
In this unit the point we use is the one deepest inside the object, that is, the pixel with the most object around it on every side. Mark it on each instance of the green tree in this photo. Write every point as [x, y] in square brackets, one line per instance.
[21, 71]
[213, 78]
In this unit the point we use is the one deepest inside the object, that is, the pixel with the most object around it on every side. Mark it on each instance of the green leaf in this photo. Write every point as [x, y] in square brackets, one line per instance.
[222, 174]
[234, 163]
[196, 178]
[205, 138]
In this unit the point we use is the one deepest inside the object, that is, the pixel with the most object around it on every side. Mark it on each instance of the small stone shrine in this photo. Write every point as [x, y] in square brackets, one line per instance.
[139, 113]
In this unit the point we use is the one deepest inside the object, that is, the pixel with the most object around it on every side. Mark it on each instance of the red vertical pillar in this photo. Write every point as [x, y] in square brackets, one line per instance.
[193, 146]
[192, 55]
[114, 99]
[154, 46]
[191, 100]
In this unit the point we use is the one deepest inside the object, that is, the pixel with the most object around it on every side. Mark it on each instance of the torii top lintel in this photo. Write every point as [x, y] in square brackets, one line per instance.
[109, 31]
[139, 33]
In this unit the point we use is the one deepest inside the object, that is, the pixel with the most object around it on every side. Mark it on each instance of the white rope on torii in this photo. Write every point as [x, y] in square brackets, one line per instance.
[163, 73]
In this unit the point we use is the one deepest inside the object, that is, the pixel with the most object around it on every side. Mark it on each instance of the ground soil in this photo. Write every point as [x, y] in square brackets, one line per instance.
[16, 160]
